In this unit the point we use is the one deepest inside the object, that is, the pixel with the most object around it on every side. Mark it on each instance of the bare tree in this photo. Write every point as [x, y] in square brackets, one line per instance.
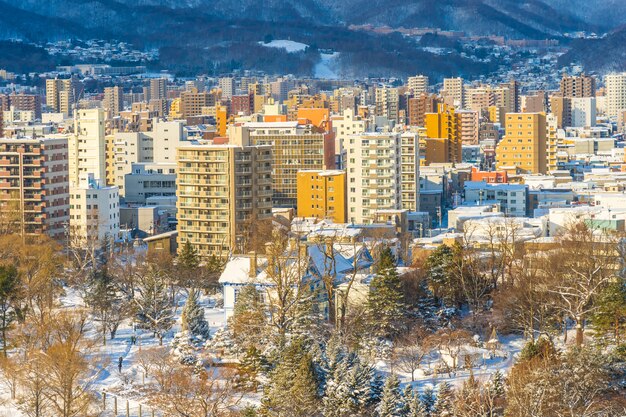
[69, 373]
[584, 262]
[409, 351]
[287, 290]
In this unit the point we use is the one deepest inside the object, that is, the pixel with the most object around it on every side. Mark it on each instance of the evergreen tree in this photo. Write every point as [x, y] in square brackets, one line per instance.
[443, 405]
[391, 404]
[193, 320]
[610, 316]
[428, 400]
[416, 407]
[188, 257]
[249, 368]
[292, 390]
[385, 305]
[154, 308]
[188, 268]
[336, 401]
[407, 397]
[376, 383]
[438, 266]
[497, 384]
[9, 295]
[248, 322]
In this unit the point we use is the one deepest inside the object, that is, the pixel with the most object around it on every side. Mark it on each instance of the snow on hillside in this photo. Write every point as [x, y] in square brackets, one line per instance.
[290, 46]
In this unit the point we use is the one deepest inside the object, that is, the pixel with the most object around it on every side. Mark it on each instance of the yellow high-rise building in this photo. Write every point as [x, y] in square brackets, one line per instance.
[322, 194]
[445, 127]
[222, 190]
[524, 146]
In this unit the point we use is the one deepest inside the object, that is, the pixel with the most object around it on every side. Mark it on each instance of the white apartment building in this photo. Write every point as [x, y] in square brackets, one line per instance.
[583, 111]
[410, 171]
[374, 174]
[343, 126]
[87, 146]
[615, 93]
[156, 147]
[453, 90]
[418, 84]
[512, 198]
[94, 208]
[94, 211]
[227, 85]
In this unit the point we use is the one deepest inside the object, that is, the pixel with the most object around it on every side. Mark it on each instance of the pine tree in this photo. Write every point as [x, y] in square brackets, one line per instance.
[248, 322]
[443, 405]
[154, 308]
[193, 320]
[391, 400]
[106, 302]
[188, 257]
[376, 383]
[416, 407]
[407, 397]
[293, 386]
[385, 305]
[611, 313]
[428, 400]
[336, 401]
[250, 367]
[9, 294]
[497, 384]
[438, 265]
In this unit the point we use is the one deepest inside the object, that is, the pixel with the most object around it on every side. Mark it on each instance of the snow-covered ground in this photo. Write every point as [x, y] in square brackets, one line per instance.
[327, 67]
[290, 46]
[125, 385]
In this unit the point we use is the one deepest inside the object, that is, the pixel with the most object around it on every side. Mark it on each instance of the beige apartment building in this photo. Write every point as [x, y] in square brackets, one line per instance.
[34, 181]
[295, 147]
[374, 174]
[524, 146]
[62, 94]
[221, 191]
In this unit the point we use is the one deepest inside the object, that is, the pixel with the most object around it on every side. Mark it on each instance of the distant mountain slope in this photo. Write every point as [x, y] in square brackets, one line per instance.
[525, 18]
[215, 35]
[599, 55]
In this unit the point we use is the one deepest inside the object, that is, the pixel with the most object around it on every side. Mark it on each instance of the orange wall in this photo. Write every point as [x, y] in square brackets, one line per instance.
[275, 118]
[315, 115]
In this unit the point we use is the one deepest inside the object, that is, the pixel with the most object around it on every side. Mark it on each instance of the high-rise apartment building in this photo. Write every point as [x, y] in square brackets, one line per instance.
[444, 131]
[561, 108]
[87, 146]
[34, 182]
[387, 102]
[25, 102]
[158, 89]
[524, 146]
[295, 147]
[578, 86]
[583, 112]
[113, 102]
[221, 191]
[615, 93]
[344, 126]
[322, 195]
[453, 92]
[418, 85]
[419, 106]
[227, 85]
[242, 105]
[409, 171]
[192, 102]
[374, 174]
[94, 206]
[63, 94]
